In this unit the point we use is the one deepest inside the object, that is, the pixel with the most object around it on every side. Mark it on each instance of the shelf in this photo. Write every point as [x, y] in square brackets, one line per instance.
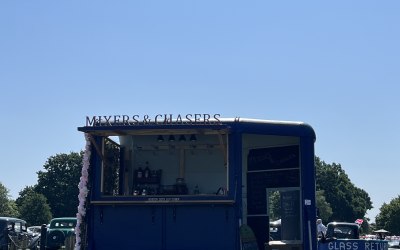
[151, 180]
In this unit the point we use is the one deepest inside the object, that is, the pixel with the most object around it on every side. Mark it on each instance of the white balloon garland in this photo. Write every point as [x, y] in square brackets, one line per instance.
[83, 192]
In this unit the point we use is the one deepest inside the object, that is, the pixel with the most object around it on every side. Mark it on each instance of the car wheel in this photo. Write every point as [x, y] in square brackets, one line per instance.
[56, 238]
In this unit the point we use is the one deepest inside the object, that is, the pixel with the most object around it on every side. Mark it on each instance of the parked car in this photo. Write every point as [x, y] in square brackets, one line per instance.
[345, 235]
[394, 244]
[275, 230]
[33, 231]
[58, 231]
[343, 230]
[15, 229]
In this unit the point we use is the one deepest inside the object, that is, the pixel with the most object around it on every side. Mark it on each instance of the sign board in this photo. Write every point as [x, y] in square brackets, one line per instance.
[354, 244]
[159, 119]
[290, 215]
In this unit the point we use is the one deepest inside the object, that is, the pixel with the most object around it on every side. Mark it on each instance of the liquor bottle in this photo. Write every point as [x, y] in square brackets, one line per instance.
[153, 174]
[140, 173]
[147, 171]
[196, 190]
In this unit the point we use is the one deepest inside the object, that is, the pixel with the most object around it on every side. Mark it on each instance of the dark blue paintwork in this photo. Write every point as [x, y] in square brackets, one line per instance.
[115, 223]
[344, 244]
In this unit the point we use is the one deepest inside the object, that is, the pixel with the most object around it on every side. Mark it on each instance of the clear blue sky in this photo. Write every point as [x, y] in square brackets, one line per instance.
[332, 64]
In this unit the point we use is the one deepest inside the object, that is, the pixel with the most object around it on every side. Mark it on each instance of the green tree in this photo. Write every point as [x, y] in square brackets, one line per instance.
[8, 208]
[275, 205]
[347, 201]
[111, 167]
[366, 227]
[59, 183]
[28, 190]
[324, 208]
[389, 216]
[33, 207]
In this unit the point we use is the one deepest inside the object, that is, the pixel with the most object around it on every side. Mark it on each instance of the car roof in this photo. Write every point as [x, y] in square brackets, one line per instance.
[11, 219]
[64, 219]
[342, 223]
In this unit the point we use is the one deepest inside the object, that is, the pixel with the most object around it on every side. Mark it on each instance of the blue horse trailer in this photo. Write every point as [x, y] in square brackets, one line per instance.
[191, 182]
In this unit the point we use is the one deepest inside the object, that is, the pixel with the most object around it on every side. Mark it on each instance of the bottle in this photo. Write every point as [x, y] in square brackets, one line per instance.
[147, 171]
[153, 174]
[140, 173]
[196, 190]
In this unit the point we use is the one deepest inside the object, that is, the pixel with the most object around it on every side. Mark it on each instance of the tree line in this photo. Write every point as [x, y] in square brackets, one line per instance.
[56, 195]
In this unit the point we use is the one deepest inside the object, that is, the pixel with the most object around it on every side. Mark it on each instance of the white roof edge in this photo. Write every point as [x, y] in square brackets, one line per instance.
[252, 120]
[240, 120]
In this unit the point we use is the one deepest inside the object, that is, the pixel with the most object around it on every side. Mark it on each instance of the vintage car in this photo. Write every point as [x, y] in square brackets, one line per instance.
[12, 230]
[343, 230]
[33, 231]
[58, 231]
[394, 244]
[275, 230]
[345, 235]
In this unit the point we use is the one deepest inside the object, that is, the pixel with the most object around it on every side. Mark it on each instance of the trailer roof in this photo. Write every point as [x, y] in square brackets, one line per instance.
[222, 125]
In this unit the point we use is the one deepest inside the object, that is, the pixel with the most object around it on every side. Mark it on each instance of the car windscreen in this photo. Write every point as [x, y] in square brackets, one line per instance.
[63, 224]
[342, 232]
